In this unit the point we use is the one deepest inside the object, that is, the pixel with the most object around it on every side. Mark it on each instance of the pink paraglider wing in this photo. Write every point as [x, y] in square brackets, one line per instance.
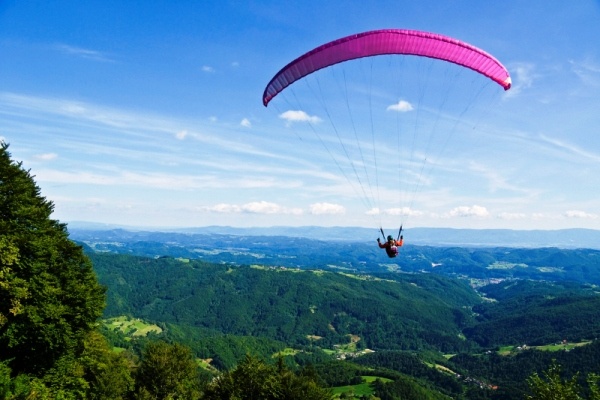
[388, 41]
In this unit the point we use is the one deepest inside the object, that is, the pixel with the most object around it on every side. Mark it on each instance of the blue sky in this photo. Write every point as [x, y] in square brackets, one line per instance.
[149, 113]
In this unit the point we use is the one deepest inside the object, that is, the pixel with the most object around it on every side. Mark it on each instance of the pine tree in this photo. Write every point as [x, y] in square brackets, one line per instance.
[49, 295]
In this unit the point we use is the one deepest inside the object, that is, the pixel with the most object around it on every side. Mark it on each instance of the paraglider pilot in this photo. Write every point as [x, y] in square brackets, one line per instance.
[391, 246]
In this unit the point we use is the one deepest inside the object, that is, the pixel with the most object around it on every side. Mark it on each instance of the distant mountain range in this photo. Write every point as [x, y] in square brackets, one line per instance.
[444, 237]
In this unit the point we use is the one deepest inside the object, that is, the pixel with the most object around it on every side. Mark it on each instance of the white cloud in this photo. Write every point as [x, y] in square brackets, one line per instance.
[401, 106]
[299, 116]
[235, 64]
[327, 208]
[181, 134]
[246, 123]
[256, 207]
[580, 214]
[207, 68]
[265, 207]
[469, 211]
[45, 157]
[262, 207]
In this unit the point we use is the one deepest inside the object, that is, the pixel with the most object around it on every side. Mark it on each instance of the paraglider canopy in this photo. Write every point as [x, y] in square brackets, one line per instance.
[385, 118]
[388, 41]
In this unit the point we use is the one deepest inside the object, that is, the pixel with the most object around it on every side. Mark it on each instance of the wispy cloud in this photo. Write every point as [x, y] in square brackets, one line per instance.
[45, 156]
[122, 124]
[208, 69]
[495, 180]
[76, 110]
[83, 53]
[246, 123]
[570, 148]
[524, 74]
[587, 70]
[580, 214]
[158, 180]
[181, 134]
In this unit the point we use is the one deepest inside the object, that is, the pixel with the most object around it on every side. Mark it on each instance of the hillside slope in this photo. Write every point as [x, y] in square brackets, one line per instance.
[404, 311]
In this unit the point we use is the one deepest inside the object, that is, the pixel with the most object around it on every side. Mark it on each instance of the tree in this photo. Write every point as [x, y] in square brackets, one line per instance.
[167, 371]
[107, 372]
[553, 387]
[593, 380]
[49, 295]
[254, 379]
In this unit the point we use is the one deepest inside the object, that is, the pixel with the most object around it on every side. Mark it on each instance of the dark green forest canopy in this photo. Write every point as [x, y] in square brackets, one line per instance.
[49, 296]
[387, 311]
[523, 311]
[537, 321]
[408, 311]
[510, 372]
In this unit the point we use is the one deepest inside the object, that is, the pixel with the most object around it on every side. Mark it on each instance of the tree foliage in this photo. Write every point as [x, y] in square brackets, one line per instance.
[252, 378]
[552, 386]
[510, 373]
[167, 371]
[399, 311]
[49, 294]
[107, 372]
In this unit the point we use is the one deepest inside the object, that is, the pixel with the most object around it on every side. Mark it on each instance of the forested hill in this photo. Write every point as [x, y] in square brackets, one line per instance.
[223, 310]
[406, 311]
[386, 311]
[548, 263]
[225, 294]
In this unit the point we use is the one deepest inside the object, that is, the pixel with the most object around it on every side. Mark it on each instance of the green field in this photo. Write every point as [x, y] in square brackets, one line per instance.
[561, 346]
[509, 350]
[288, 351]
[362, 389]
[131, 326]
